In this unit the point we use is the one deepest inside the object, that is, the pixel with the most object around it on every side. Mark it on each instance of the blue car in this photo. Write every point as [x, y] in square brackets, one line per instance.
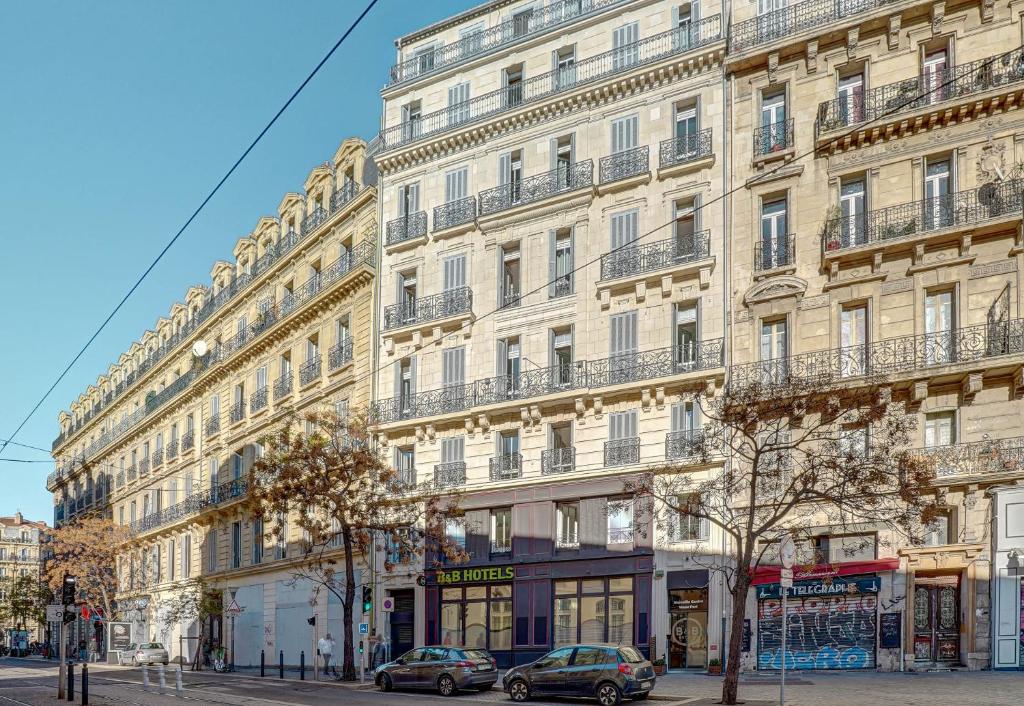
[607, 673]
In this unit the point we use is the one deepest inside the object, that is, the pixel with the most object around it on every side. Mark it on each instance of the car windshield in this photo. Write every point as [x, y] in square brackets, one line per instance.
[630, 654]
[151, 646]
[476, 654]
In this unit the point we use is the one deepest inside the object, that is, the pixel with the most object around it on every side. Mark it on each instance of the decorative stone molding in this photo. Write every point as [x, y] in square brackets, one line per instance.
[659, 396]
[812, 56]
[420, 434]
[468, 424]
[645, 399]
[895, 21]
[484, 422]
[852, 37]
[822, 300]
[775, 288]
[988, 10]
[970, 387]
[581, 408]
[991, 164]
[524, 415]
[919, 393]
[535, 414]
[1001, 267]
[773, 67]
[898, 285]
[598, 406]
[938, 14]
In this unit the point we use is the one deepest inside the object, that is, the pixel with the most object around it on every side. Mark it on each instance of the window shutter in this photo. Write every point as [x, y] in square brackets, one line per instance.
[553, 150]
[449, 187]
[501, 350]
[504, 166]
[401, 196]
[501, 277]
[412, 375]
[414, 198]
[630, 425]
[572, 259]
[552, 273]
[694, 11]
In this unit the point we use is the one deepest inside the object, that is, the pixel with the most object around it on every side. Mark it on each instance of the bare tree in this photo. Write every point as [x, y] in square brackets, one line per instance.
[324, 474]
[193, 601]
[794, 452]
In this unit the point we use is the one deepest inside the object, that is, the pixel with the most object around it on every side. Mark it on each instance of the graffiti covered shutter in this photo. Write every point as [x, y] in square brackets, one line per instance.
[824, 632]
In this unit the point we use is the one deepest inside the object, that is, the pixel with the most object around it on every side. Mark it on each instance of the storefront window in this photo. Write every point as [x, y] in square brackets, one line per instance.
[594, 610]
[477, 616]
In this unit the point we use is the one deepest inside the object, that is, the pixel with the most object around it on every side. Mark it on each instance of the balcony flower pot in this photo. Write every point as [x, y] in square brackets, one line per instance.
[715, 668]
[659, 666]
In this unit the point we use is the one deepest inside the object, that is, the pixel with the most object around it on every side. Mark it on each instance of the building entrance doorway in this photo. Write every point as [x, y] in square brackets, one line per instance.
[937, 620]
[688, 628]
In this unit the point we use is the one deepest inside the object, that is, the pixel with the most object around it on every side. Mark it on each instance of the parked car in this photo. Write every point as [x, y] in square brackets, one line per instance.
[446, 669]
[605, 672]
[144, 653]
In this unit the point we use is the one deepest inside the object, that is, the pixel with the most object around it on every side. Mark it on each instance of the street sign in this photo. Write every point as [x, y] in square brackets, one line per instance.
[54, 613]
[786, 574]
[787, 551]
[364, 628]
[786, 582]
[233, 608]
[387, 604]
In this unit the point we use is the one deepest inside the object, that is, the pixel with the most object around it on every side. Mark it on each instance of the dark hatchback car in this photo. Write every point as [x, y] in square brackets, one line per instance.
[446, 669]
[605, 672]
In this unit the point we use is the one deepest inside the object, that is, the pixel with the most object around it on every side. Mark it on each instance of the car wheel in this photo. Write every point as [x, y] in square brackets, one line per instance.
[608, 694]
[446, 685]
[385, 683]
[165, 662]
[519, 691]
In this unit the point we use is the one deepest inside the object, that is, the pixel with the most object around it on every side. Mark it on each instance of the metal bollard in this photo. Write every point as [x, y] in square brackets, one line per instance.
[71, 681]
[302, 666]
[263, 663]
[178, 689]
[85, 685]
[145, 677]
[163, 679]
[280, 664]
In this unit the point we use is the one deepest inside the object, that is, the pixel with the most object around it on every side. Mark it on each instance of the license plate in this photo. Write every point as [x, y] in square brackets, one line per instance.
[483, 667]
[645, 685]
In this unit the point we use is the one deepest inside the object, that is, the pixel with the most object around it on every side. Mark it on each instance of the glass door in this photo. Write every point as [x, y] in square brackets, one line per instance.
[935, 76]
[852, 230]
[773, 235]
[686, 132]
[853, 341]
[851, 99]
[937, 205]
[937, 624]
[939, 316]
[774, 349]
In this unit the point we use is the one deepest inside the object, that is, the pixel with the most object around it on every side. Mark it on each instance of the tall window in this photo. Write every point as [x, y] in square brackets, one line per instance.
[561, 355]
[565, 67]
[625, 51]
[774, 350]
[853, 340]
[186, 556]
[454, 268]
[405, 464]
[774, 246]
[456, 184]
[773, 133]
[412, 114]
[560, 256]
[851, 99]
[567, 516]
[510, 175]
[688, 526]
[685, 340]
[211, 551]
[936, 76]
[625, 133]
[620, 521]
[171, 563]
[236, 545]
[593, 611]
[939, 321]
[510, 285]
[624, 228]
[453, 367]
[852, 224]
[501, 531]
[458, 104]
[455, 532]
[938, 211]
[257, 540]
[512, 77]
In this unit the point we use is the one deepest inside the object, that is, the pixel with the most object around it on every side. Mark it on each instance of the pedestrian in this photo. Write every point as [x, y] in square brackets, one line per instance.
[325, 646]
[379, 652]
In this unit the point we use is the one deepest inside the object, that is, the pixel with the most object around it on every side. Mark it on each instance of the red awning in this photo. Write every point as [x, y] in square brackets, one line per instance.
[770, 574]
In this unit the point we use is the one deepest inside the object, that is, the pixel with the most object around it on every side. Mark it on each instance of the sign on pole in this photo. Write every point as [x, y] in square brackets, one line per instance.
[364, 628]
[786, 578]
[387, 604]
[233, 608]
[54, 613]
[787, 552]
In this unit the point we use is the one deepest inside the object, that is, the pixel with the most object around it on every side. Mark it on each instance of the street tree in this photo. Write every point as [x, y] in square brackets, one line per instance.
[23, 599]
[87, 549]
[325, 475]
[192, 601]
[791, 452]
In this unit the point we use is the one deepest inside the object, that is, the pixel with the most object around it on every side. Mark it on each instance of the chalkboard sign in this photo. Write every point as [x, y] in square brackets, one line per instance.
[890, 626]
[746, 635]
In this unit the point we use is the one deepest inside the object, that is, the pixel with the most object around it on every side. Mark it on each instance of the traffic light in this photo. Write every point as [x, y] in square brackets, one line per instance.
[69, 616]
[360, 647]
[367, 599]
[311, 621]
[68, 591]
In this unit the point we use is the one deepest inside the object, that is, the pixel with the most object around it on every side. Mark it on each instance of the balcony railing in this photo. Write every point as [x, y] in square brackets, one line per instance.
[769, 254]
[172, 449]
[511, 30]
[407, 227]
[959, 209]
[537, 188]
[455, 213]
[188, 440]
[214, 302]
[506, 466]
[309, 371]
[133, 472]
[622, 452]
[684, 444]
[922, 91]
[143, 466]
[237, 412]
[891, 356]
[258, 399]
[991, 456]
[314, 219]
[776, 137]
[340, 353]
[625, 164]
[450, 474]
[779, 24]
[192, 505]
[662, 362]
[212, 426]
[158, 458]
[555, 461]
[645, 51]
[425, 309]
[283, 385]
[687, 148]
[637, 259]
[343, 195]
[530, 383]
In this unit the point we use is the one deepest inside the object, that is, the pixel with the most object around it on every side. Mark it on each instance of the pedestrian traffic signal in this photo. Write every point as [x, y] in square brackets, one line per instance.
[367, 599]
[360, 647]
[311, 621]
[68, 591]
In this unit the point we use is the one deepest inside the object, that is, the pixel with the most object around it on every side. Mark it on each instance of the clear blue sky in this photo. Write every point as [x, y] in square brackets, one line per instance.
[117, 118]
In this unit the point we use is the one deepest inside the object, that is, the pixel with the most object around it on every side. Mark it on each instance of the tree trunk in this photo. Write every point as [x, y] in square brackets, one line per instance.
[731, 683]
[348, 670]
[197, 665]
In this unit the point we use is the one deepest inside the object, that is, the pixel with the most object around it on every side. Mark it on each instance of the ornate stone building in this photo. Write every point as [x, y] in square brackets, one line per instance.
[21, 555]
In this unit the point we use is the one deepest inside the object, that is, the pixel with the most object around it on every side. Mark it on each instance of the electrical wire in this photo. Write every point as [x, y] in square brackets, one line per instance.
[188, 222]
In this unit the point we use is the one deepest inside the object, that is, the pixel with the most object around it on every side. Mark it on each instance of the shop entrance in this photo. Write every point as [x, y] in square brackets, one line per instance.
[688, 625]
[937, 620]
[402, 622]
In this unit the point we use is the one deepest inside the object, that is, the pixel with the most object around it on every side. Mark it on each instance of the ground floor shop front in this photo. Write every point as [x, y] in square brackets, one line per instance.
[520, 612]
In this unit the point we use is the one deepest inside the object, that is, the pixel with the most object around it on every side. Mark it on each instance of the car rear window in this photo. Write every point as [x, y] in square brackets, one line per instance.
[476, 654]
[630, 654]
[151, 646]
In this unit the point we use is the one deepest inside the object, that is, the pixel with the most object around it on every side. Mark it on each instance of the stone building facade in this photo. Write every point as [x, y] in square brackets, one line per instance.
[21, 554]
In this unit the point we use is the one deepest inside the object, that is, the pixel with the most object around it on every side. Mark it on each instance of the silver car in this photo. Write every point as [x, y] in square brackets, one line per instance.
[446, 669]
[144, 653]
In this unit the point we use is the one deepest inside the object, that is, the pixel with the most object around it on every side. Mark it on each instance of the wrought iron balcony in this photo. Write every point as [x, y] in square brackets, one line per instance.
[455, 213]
[342, 195]
[450, 474]
[661, 362]
[144, 466]
[212, 426]
[537, 188]
[258, 399]
[407, 227]
[555, 461]
[237, 412]
[192, 505]
[529, 383]
[957, 210]
[776, 137]
[188, 440]
[950, 84]
[888, 357]
[506, 466]
[313, 221]
[283, 385]
[688, 148]
[453, 398]
[426, 309]
[119, 482]
[309, 371]
[172, 449]
[625, 164]
[133, 472]
[987, 457]
[769, 254]
[340, 353]
[501, 546]
[510, 31]
[684, 444]
[158, 458]
[640, 258]
[622, 452]
[620, 60]
[407, 477]
[780, 24]
[511, 298]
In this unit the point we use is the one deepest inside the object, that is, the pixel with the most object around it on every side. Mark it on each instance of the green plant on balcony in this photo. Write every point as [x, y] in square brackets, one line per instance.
[898, 230]
[830, 228]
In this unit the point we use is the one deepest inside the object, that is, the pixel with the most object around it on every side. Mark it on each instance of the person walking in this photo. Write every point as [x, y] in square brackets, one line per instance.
[379, 652]
[326, 648]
